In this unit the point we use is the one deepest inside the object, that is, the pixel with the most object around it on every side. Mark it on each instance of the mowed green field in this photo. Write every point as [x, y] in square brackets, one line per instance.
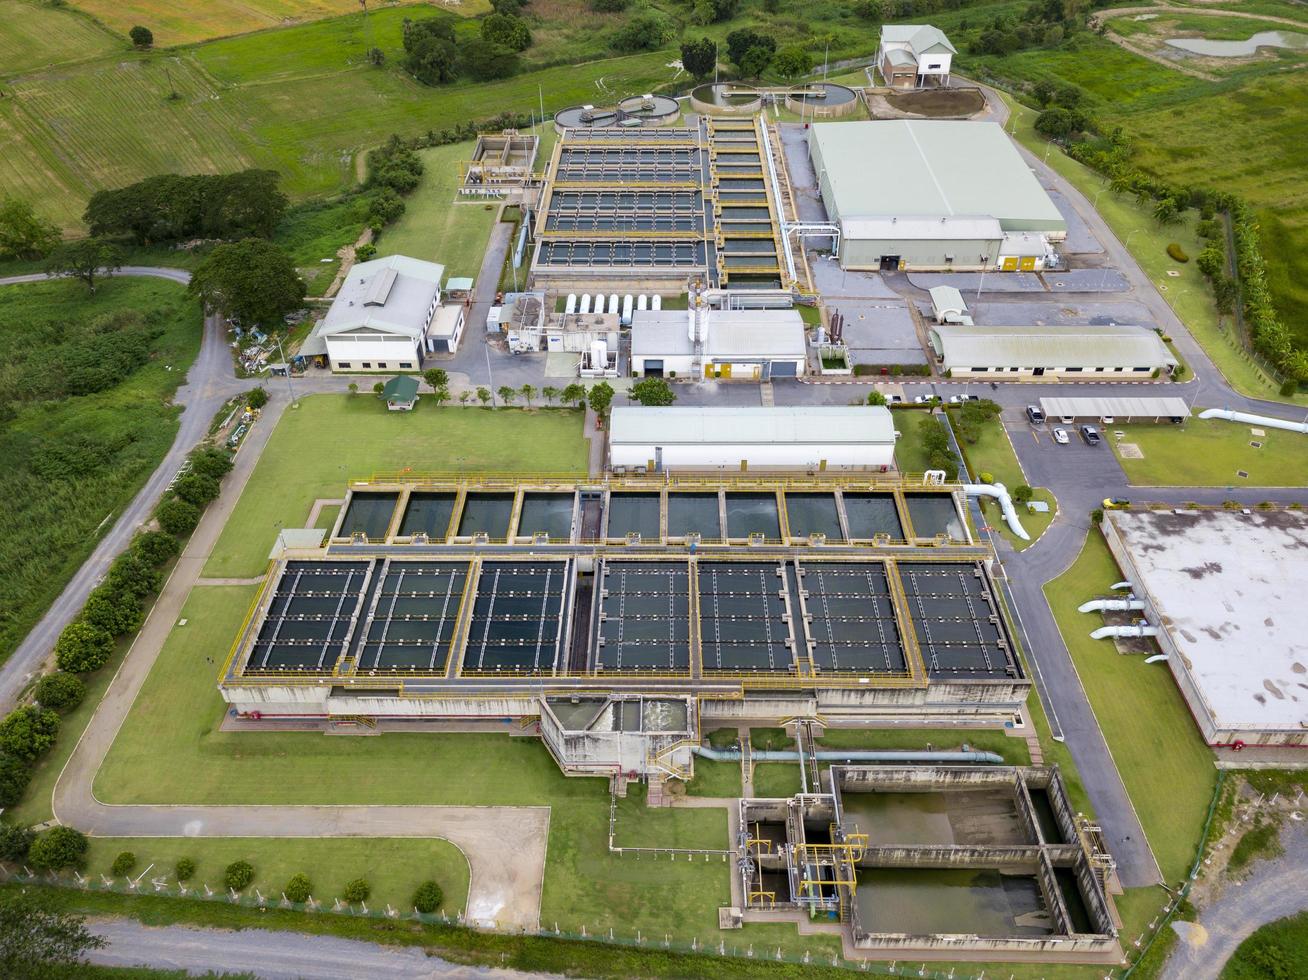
[36, 36]
[1211, 453]
[393, 866]
[332, 439]
[437, 225]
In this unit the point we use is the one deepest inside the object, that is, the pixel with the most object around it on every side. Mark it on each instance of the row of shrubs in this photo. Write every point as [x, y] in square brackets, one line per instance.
[115, 608]
[63, 848]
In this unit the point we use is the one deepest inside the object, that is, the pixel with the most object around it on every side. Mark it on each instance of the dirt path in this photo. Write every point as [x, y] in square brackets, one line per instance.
[505, 883]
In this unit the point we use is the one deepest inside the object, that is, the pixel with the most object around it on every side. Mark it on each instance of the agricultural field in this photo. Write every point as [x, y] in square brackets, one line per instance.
[36, 36]
[74, 460]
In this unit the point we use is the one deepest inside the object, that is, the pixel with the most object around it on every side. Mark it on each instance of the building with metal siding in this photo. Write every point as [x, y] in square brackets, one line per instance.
[933, 194]
[747, 345]
[1068, 353]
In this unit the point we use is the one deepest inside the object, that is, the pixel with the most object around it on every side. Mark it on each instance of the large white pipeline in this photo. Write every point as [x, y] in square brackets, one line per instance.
[1141, 629]
[1259, 420]
[1116, 605]
[998, 492]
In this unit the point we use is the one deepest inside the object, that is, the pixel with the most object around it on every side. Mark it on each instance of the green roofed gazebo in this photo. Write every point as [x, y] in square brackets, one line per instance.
[401, 393]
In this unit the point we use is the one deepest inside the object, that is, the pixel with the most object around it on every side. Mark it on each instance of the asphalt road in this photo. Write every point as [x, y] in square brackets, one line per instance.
[273, 955]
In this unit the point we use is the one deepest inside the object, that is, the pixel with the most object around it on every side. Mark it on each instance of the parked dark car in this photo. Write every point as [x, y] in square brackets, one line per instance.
[1091, 435]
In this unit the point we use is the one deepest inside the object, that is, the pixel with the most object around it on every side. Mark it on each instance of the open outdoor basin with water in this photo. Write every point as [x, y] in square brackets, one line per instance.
[1240, 49]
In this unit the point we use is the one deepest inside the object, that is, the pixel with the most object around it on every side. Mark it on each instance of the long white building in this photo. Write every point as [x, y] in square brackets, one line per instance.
[750, 345]
[746, 438]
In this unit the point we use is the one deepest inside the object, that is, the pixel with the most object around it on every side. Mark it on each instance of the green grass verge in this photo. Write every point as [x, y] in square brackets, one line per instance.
[331, 439]
[1277, 950]
[437, 225]
[715, 779]
[993, 453]
[1167, 769]
[53, 521]
[1210, 452]
[776, 779]
[910, 454]
[1013, 750]
[393, 866]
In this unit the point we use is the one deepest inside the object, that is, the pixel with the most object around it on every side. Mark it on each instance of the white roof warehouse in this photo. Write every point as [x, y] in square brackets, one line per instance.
[710, 438]
[1071, 353]
[924, 194]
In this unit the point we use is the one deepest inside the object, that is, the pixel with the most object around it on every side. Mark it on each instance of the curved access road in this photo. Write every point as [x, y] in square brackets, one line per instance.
[210, 382]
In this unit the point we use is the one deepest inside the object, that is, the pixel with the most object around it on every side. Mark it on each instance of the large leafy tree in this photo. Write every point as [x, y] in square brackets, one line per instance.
[23, 233]
[653, 391]
[37, 941]
[88, 259]
[699, 58]
[251, 279]
[508, 30]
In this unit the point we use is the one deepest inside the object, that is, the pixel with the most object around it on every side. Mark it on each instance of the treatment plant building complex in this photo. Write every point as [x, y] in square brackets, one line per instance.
[941, 194]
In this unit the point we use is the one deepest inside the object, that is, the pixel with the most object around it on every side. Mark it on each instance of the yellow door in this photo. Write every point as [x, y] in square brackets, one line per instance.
[726, 370]
[1010, 263]
[1028, 263]
[708, 370]
[758, 371]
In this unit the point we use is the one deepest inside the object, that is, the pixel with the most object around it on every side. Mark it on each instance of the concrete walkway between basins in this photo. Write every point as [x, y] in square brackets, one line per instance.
[504, 889]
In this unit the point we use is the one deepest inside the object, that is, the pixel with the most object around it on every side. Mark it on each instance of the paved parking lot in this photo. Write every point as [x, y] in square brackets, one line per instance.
[1080, 240]
[1046, 463]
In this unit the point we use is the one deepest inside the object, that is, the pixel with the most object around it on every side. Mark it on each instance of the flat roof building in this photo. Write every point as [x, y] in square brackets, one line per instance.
[1225, 591]
[741, 344]
[1116, 351]
[932, 194]
[739, 438]
[381, 318]
[1118, 408]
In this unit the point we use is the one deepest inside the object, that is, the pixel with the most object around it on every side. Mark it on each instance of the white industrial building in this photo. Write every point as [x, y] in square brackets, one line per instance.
[856, 437]
[1224, 593]
[1117, 408]
[947, 305]
[1056, 353]
[750, 345]
[387, 317]
[914, 56]
[935, 194]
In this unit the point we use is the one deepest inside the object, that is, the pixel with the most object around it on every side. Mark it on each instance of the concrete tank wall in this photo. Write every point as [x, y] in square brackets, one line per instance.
[1012, 859]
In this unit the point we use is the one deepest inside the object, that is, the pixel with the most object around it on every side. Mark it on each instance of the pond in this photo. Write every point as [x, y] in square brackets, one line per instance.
[1241, 49]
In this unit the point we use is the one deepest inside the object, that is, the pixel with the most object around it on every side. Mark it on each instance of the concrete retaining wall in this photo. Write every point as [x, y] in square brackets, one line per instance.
[1011, 859]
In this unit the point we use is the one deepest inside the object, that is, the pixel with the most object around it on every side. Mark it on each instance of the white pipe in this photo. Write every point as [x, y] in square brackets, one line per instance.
[1259, 420]
[1156, 658]
[1121, 585]
[1117, 605]
[997, 491]
[1144, 629]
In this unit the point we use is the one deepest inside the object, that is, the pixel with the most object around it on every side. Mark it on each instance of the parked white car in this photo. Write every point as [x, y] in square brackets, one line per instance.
[1061, 437]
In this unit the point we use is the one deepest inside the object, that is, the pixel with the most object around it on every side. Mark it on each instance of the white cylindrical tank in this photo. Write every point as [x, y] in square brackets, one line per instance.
[571, 306]
[642, 302]
[657, 302]
[627, 304]
[599, 354]
[613, 302]
[585, 302]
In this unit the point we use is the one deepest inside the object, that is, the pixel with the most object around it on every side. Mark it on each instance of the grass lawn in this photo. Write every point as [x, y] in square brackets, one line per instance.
[1278, 949]
[393, 866]
[73, 463]
[776, 779]
[1013, 750]
[315, 231]
[1208, 452]
[715, 779]
[332, 439]
[1187, 293]
[437, 225]
[1167, 769]
[993, 453]
[910, 455]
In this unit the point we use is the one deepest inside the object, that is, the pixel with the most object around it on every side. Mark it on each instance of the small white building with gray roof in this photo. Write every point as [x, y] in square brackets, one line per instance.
[387, 317]
[857, 437]
[914, 56]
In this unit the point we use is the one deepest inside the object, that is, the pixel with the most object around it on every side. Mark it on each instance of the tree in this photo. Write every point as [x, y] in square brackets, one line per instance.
[252, 279]
[1022, 494]
[15, 774]
[112, 610]
[464, 395]
[699, 58]
[376, 57]
[427, 899]
[245, 204]
[184, 869]
[298, 889]
[609, 6]
[353, 388]
[257, 398]
[123, 864]
[600, 398]
[89, 259]
[652, 391]
[155, 547]
[574, 394]
[939, 454]
[508, 6]
[873, 10]
[483, 395]
[647, 31]
[28, 731]
[507, 394]
[875, 398]
[528, 392]
[436, 378]
[39, 941]
[177, 516]
[756, 61]
[142, 37]
[238, 875]
[15, 841]
[486, 60]
[58, 848]
[82, 648]
[791, 61]
[739, 43]
[357, 890]
[378, 388]
[440, 396]
[23, 233]
[196, 488]
[550, 394]
[433, 61]
[60, 691]
[506, 30]
[1166, 211]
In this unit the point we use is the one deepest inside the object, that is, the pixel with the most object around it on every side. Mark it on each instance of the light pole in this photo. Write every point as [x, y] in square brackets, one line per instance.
[289, 390]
